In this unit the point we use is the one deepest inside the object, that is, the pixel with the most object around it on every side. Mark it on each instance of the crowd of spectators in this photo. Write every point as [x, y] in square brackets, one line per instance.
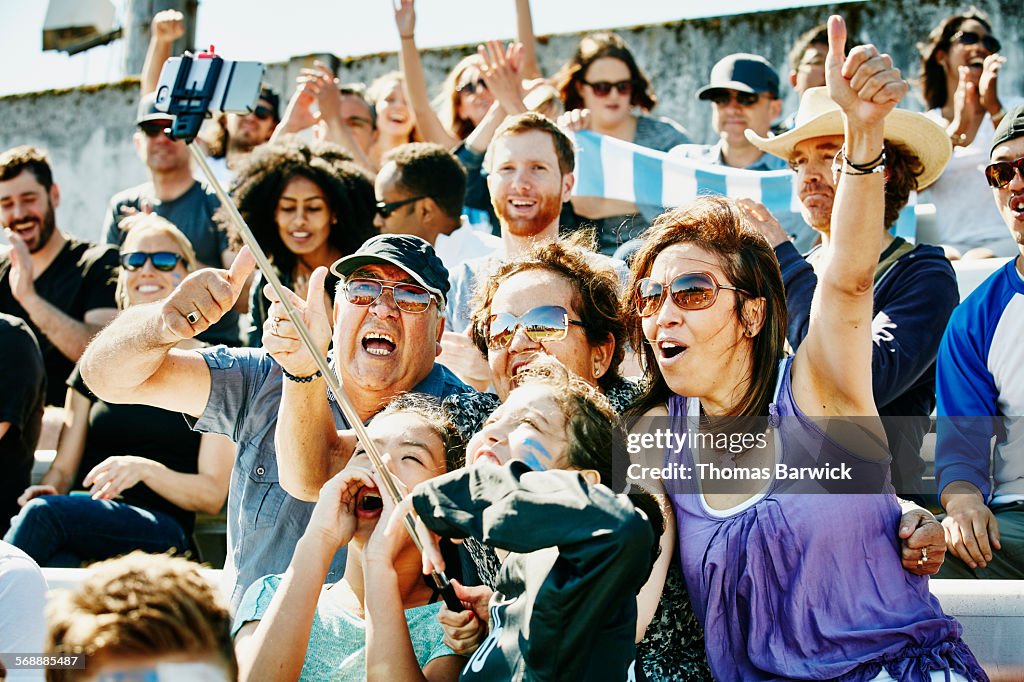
[503, 364]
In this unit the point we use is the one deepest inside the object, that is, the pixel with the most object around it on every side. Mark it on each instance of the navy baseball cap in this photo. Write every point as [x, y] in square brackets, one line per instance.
[744, 73]
[413, 254]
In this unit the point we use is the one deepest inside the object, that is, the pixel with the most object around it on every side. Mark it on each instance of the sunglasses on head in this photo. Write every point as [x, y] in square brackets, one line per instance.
[541, 324]
[1000, 174]
[745, 99]
[165, 261]
[689, 291]
[263, 113]
[971, 38]
[604, 88]
[154, 128]
[472, 87]
[386, 208]
[411, 298]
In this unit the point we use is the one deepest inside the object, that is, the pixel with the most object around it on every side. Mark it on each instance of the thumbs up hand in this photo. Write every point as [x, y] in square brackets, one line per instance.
[204, 297]
[864, 83]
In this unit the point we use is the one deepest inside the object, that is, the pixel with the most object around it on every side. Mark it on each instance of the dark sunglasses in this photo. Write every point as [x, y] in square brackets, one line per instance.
[154, 128]
[744, 99]
[604, 88]
[263, 113]
[689, 291]
[1000, 174]
[472, 87]
[165, 261]
[971, 38]
[542, 324]
[386, 208]
[411, 298]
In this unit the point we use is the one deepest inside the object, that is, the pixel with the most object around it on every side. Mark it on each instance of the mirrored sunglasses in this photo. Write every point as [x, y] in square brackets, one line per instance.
[990, 43]
[542, 324]
[689, 291]
[165, 261]
[411, 298]
[604, 88]
[1000, 174]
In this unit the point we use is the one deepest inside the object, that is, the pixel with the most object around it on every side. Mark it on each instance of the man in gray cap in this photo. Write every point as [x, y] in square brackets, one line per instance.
[172, 192]
[388, 318]
[980, 395]
[744, 92]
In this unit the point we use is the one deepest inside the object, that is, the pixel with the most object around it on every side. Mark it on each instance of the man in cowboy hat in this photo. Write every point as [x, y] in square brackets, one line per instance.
[915, 287]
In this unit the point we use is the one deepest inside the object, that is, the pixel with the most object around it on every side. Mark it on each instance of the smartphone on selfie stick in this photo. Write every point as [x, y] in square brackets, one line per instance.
[193, 87]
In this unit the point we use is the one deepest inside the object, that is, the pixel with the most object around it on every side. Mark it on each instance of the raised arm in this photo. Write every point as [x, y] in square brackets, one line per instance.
[167, 26]
[134, 360]
[524, 34]
[429, 125]
[832, 372]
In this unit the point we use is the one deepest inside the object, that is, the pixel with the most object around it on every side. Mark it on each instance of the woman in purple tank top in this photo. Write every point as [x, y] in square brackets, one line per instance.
[792, 579]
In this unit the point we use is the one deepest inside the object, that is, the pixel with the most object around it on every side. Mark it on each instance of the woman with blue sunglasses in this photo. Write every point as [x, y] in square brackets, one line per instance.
[136, 474]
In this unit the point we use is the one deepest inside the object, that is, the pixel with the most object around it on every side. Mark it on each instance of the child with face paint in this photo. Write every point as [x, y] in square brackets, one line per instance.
[139, 473]
[575, 553]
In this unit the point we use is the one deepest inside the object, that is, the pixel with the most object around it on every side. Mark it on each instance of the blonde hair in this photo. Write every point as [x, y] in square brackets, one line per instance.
[139, 605]
[140, 224]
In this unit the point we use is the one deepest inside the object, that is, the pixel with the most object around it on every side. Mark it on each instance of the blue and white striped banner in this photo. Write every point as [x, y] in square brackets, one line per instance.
[614, 169]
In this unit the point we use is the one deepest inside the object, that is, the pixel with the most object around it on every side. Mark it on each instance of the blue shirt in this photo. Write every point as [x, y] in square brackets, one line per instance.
[263, 521]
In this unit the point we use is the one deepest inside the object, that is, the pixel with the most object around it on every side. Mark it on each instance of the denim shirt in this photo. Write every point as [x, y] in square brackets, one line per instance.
[263, 521]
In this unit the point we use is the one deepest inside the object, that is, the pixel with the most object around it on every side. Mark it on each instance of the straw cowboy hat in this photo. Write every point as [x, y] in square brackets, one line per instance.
[819, 116]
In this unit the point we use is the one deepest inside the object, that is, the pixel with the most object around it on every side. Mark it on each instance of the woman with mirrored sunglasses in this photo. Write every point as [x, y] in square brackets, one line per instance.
[139, 474]
[557, 303]
[791, 579]
[605, 90]
[307, 206]
[960, 67]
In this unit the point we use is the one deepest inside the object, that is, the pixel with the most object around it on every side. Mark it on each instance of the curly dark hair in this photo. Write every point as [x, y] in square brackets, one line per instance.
[903, 168]
[591, 48]
[933, 75]
[346, 186]
[595, 294]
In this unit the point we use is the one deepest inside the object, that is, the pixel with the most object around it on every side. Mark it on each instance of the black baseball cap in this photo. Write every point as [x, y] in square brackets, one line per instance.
[1011, 127]
[413, 254]
[742, 72]
[148, 111]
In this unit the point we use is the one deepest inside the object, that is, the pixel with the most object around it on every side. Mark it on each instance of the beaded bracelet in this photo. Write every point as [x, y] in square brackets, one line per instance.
[301, 380]
[840, 160]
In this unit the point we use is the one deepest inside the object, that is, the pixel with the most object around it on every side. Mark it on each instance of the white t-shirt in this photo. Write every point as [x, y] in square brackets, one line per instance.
[465, 243]
[22, 599]
[965, 213]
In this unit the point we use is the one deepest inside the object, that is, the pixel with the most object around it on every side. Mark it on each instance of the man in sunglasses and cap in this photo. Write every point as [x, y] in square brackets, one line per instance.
[980, 395]
[387, 324]
[915, 287]
[174, 193]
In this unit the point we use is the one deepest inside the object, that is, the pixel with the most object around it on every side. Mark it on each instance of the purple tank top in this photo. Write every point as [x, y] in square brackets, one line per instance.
[809, 586]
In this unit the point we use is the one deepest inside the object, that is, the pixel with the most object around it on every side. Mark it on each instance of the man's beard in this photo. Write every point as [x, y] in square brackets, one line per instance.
[549, 208]
[46, 228]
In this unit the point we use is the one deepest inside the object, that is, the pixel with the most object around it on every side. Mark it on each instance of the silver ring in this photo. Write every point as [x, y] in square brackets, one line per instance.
[273, 324]
[193, 317]
[924, 554]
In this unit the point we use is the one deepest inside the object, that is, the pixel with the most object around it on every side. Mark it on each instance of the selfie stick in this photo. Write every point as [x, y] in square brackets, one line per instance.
[193, 101]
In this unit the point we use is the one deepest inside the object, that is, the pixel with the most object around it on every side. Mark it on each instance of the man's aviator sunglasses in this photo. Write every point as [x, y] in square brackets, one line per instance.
[689, 291]
[411, 298]
[1000, 174]
[165, 261]
[542, 324]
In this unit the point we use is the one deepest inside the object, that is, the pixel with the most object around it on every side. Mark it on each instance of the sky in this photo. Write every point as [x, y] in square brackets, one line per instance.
[260, 30]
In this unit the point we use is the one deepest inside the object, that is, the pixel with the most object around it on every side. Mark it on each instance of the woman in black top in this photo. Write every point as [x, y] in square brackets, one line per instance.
[145, 472]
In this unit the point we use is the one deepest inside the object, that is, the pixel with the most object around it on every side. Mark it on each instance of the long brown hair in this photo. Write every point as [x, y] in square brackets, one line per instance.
[591, 48]
[448, 102]
[716, 225]
[933, 75]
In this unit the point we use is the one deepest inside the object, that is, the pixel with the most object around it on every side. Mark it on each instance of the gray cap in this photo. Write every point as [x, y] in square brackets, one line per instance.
[1011, 127]
[744, 73]
[148, 111]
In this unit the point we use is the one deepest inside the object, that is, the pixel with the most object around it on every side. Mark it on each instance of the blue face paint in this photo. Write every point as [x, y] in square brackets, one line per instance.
[176, 276]
[533, 451]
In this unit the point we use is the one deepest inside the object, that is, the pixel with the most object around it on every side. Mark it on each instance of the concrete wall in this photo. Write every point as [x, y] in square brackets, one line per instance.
[88, 131]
